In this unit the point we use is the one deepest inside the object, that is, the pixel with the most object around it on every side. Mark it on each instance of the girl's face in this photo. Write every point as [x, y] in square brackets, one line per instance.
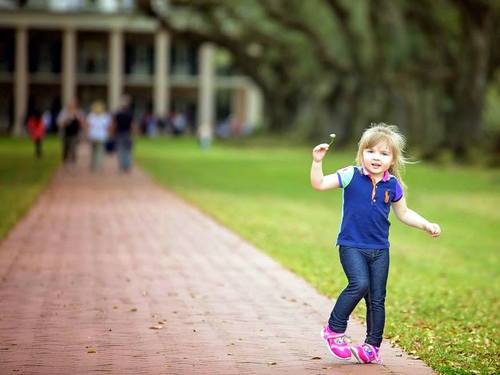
[377, 159]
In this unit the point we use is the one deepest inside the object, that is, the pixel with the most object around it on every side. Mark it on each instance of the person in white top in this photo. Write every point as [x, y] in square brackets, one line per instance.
[98, 122]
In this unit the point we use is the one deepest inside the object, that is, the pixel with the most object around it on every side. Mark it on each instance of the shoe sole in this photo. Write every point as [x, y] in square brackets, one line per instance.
[330, 349]
[356, 355]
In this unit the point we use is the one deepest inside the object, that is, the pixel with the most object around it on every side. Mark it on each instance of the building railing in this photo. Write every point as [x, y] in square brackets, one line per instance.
[101, 6]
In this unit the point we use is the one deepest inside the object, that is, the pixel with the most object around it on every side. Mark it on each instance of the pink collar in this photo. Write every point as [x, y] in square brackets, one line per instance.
[385, 177]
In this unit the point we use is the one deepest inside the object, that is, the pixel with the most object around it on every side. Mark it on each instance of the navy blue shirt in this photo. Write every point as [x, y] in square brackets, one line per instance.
[123, 121]
[365, 208]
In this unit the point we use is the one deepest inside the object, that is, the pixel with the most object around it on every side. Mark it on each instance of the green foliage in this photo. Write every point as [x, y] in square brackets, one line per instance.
[335, 66]
[22, 177]
[492, 109]
[442, 303]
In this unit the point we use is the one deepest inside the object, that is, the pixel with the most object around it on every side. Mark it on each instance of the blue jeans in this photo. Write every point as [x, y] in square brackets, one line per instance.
[124, 150]
[366, 271]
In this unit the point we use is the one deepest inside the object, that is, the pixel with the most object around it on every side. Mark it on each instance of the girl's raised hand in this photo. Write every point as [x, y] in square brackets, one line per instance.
[433, 229]
[319, 151]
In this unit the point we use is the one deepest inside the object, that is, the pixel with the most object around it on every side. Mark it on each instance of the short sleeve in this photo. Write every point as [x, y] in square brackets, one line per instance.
[345, 176]
[398, 192]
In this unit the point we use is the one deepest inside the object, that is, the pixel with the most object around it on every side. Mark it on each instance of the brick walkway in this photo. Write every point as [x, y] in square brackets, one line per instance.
[110, 273]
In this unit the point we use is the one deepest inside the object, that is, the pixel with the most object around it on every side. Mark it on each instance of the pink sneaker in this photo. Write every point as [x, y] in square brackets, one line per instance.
[366, 353]
[336, 343]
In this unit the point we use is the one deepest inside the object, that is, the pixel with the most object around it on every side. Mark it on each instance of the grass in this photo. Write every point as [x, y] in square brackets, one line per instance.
[442, 303]
[22, 177]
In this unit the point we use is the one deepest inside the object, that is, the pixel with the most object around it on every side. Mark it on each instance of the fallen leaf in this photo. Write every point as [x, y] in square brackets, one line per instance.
[133, 309]
[271, 363]
[316, 358]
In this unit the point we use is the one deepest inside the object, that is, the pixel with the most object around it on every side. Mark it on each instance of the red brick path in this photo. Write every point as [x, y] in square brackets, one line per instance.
[110, 273]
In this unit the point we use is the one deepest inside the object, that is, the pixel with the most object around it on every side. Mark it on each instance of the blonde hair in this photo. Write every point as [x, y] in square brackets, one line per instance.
[98, 107]
[396, 142]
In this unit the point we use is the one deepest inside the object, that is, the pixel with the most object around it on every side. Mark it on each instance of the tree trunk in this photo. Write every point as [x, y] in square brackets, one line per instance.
[280, 116]
[470, 89]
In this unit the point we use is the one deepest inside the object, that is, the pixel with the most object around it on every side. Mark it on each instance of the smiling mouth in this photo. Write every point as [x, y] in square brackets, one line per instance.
[376, 165]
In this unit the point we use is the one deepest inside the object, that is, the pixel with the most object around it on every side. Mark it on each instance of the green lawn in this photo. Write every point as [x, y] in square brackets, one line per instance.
[442, 303]
[22, 177]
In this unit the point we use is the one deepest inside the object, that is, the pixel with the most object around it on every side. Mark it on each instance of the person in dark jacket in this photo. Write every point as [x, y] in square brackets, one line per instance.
[70, 122]
[123, 129]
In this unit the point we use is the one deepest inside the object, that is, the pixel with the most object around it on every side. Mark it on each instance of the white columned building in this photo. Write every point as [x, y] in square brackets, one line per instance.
[20, 80]
[77, 63]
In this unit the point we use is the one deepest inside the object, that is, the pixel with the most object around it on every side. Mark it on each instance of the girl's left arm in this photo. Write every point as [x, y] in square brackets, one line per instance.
[411, 218]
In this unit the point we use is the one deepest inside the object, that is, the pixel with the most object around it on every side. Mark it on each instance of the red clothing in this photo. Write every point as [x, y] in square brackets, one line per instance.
[36, 128]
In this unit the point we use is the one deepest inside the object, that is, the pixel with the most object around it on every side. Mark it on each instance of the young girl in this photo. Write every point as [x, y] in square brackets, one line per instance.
[369, 191]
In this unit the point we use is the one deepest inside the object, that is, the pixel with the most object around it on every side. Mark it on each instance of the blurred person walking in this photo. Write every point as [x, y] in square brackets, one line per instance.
[98, 122]
[70, 121]
[149, 123]
[36, 129]
[123, 129]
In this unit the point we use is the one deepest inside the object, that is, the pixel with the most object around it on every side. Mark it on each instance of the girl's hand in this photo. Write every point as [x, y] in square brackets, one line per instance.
[433, 229]
[319, 152]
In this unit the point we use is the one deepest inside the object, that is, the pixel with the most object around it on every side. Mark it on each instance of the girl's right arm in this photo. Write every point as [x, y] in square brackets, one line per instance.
[319, 181]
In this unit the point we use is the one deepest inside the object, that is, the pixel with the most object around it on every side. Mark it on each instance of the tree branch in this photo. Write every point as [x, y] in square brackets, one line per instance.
[284, 18]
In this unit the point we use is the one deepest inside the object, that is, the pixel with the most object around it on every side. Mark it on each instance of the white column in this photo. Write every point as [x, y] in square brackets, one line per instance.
[115, 84]
[21, 80]
[161, 90]
[239, 104]
[206, 92]
[254, 104]
[69, 66]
